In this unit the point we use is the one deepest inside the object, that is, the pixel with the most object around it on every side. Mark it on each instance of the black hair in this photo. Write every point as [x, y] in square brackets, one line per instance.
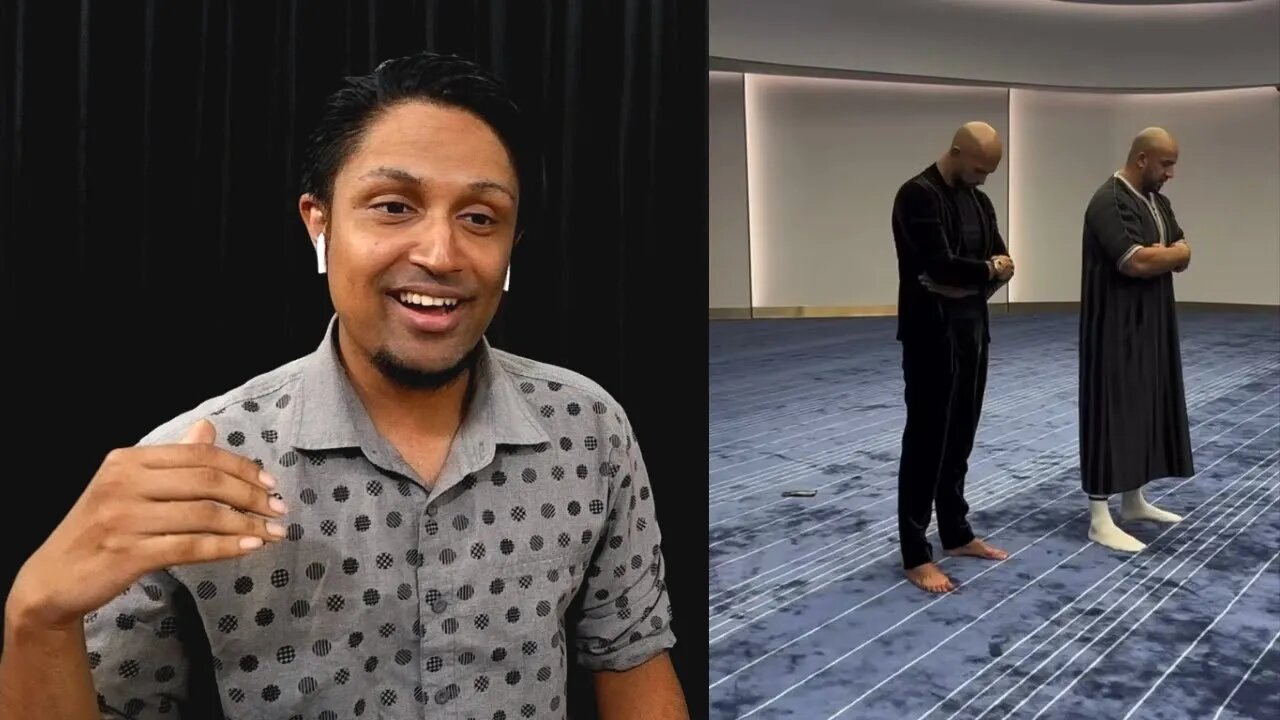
[446, 80]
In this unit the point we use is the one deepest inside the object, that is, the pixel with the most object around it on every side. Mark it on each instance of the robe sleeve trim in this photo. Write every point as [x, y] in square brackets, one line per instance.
[1127, 256]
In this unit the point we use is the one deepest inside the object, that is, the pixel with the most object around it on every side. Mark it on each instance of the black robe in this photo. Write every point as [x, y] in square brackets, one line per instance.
[1133, 410]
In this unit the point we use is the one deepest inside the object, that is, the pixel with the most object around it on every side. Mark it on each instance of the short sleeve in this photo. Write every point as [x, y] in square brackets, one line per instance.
[137, 658]
[1115, 223]
[626, 612]
[1175, 230]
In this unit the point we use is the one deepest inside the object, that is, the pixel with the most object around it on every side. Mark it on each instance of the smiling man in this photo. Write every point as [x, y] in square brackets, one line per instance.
[403, 523]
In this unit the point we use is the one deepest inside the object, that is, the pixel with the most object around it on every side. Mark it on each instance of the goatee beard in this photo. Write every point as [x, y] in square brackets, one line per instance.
[401, 374]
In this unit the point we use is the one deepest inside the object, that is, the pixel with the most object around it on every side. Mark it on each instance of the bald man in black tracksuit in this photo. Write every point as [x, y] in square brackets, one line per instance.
[951, 259]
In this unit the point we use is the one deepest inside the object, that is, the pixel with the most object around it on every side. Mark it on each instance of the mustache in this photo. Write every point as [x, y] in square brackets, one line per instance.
[426, 283]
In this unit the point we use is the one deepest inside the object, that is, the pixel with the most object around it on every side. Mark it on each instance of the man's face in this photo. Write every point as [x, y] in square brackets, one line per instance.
[420, 235]
[972, 166]
[1157, 167]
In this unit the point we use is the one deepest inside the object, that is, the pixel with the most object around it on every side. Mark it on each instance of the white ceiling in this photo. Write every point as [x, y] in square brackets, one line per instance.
[1090, 44]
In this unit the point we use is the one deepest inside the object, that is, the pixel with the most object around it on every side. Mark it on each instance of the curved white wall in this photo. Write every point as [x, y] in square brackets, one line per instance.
[1015, 42]
[728, 256]
[822, 159]
[825, 159]
[1226, 192]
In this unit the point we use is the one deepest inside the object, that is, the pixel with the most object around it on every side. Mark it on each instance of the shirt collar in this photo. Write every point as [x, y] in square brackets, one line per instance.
[1124, 181]
[329, 415]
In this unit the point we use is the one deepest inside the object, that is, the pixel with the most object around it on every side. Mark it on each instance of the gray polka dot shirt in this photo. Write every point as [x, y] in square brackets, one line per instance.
[391, 601]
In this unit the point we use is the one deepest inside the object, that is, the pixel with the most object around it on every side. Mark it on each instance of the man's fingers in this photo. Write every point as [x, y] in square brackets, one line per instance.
[190, 455]
[204, 517]
[161, 551]
[202, 433]
[207, 483]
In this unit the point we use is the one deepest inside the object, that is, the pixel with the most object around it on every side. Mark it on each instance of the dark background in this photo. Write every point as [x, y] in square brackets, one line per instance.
[151, 254]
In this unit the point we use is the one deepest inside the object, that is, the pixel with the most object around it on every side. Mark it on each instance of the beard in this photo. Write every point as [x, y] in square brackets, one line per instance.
[1151, 184]
[402, 374]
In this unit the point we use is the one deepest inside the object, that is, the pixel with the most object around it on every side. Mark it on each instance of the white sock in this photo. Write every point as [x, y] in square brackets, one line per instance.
[1103, 530]
[1133, 506]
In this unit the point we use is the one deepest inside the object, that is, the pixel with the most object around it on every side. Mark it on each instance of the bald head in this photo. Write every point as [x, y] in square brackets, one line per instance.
[1152, 140]
[1152, 157]
[975, 153]
[976, 137]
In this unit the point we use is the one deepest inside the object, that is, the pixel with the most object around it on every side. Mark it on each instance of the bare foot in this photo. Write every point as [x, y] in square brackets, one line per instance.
[929, 578]
[977, 548]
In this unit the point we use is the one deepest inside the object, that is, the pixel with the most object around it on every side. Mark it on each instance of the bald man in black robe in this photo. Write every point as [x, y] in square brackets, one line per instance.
[1133, 412]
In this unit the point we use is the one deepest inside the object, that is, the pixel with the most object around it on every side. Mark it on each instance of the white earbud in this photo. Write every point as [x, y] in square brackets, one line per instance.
[506, 283]
[320, 265]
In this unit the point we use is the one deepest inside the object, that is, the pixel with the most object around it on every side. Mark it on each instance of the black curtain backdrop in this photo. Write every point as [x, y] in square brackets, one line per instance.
[152, 255]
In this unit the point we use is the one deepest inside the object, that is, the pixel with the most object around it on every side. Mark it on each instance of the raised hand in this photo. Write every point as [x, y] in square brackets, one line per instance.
[147, 508]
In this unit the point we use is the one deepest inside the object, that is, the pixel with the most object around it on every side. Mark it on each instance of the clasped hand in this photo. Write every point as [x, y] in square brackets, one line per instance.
[1184, 265]
[1004, 270]
[1004, 267]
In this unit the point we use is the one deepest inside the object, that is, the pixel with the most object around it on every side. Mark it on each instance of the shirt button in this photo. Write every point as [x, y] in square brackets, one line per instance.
[439, 606]
[432, 510]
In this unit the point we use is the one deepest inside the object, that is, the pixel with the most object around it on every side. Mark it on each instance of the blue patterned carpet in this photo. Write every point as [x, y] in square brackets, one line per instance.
[810, 616]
